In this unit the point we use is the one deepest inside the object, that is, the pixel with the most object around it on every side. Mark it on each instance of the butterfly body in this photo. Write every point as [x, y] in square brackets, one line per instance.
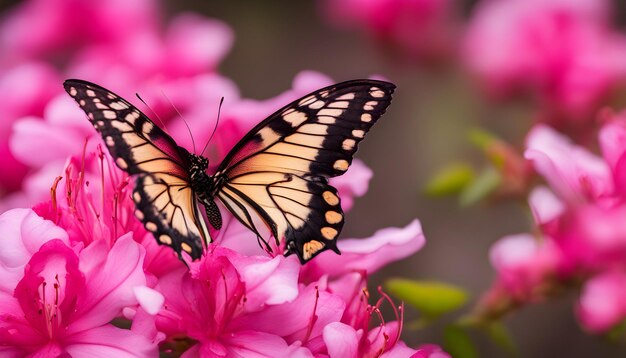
[277, 175]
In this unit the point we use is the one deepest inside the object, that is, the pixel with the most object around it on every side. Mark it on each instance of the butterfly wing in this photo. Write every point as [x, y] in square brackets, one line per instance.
[280, 169]
[166, 204]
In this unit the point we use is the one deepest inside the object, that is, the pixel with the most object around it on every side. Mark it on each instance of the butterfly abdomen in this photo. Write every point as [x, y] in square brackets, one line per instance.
[204, 186]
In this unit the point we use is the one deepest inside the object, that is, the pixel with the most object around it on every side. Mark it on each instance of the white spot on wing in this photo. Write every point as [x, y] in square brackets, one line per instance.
[118, 105]
[348, 144]
[316, 105]
[330, 112]
[109, 114]
[295, 118]
[370, 105]
[347, 96]
[341, 165]
[376, 92]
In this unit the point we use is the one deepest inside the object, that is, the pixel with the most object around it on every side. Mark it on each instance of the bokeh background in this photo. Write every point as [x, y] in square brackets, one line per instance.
[435, 107]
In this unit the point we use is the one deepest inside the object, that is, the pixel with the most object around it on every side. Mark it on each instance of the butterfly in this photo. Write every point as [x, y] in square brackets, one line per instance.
[276, 175]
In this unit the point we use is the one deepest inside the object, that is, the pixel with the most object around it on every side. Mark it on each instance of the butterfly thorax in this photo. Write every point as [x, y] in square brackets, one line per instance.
[203, 186]
[198, 178]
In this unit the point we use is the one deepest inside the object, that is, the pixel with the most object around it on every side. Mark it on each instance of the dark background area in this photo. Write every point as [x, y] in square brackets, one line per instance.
[425, 128]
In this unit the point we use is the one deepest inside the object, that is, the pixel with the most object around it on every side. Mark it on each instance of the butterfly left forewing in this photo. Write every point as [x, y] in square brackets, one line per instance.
[166, 205]
[279, 171]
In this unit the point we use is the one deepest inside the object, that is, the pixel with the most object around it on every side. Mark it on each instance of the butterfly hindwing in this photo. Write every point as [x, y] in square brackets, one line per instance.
[280, 170]
[166, 204]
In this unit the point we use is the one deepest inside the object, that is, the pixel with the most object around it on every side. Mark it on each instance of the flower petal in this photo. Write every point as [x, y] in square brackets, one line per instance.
[110, 341]
[370, 254]
[110, 286]
[268, 281]
[149, 299]
[341, 340]
[23, 232]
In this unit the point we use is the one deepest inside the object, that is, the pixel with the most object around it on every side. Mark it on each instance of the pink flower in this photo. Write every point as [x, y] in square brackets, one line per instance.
[523, 263]
[430, 351]
[612, 138]
[584, 217]
[369, 254]
[48, 29]
[208, 303]
[602, 303]
[23, 233]
[147, 61]
[564, 52]
[574, 173]
[420, 29]
[582, 229]
[64, 303]
[27, 88]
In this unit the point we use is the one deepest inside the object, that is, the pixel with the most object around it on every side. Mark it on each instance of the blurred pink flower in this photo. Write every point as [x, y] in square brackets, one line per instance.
[64, 303]
[523, 263]
[574, 173]
[26, 90]
[147, 61]
[564, 52]
[430, 351]
[420, 29]
[49, 29]
[602, 303]
[586, 219]
[115, 44]
[582, 231]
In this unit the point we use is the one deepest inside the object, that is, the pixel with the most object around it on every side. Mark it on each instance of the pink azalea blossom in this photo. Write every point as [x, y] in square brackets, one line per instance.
[564, 52]
[420, 29]
[582, 231]
[430, 351]
[64, 302]
[27, 88]
[207, 303]
[23, 232]
[48, 29]
[602, 303]
[523, 263]
[146, 61]
[367, 255]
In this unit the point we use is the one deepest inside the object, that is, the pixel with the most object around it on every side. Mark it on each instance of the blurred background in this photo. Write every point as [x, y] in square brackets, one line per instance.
[438, 103]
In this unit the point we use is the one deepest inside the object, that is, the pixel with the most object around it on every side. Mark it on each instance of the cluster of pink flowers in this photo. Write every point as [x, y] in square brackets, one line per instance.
[564, 52]
[423, 30]
[81, 276]
[582, 232]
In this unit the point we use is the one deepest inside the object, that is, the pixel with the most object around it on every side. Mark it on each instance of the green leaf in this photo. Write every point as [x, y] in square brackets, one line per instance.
[430, 298]
[457, 342]
[450, 180]
[501, 337]
[481, 187]
[481, 138]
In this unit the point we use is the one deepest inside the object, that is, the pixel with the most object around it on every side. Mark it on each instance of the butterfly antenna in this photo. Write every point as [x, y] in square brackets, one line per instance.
[181, 117]
[219, 110]
[153, 112]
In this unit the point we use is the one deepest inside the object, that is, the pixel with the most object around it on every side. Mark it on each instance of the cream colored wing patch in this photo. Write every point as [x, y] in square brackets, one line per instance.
[168, 208]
